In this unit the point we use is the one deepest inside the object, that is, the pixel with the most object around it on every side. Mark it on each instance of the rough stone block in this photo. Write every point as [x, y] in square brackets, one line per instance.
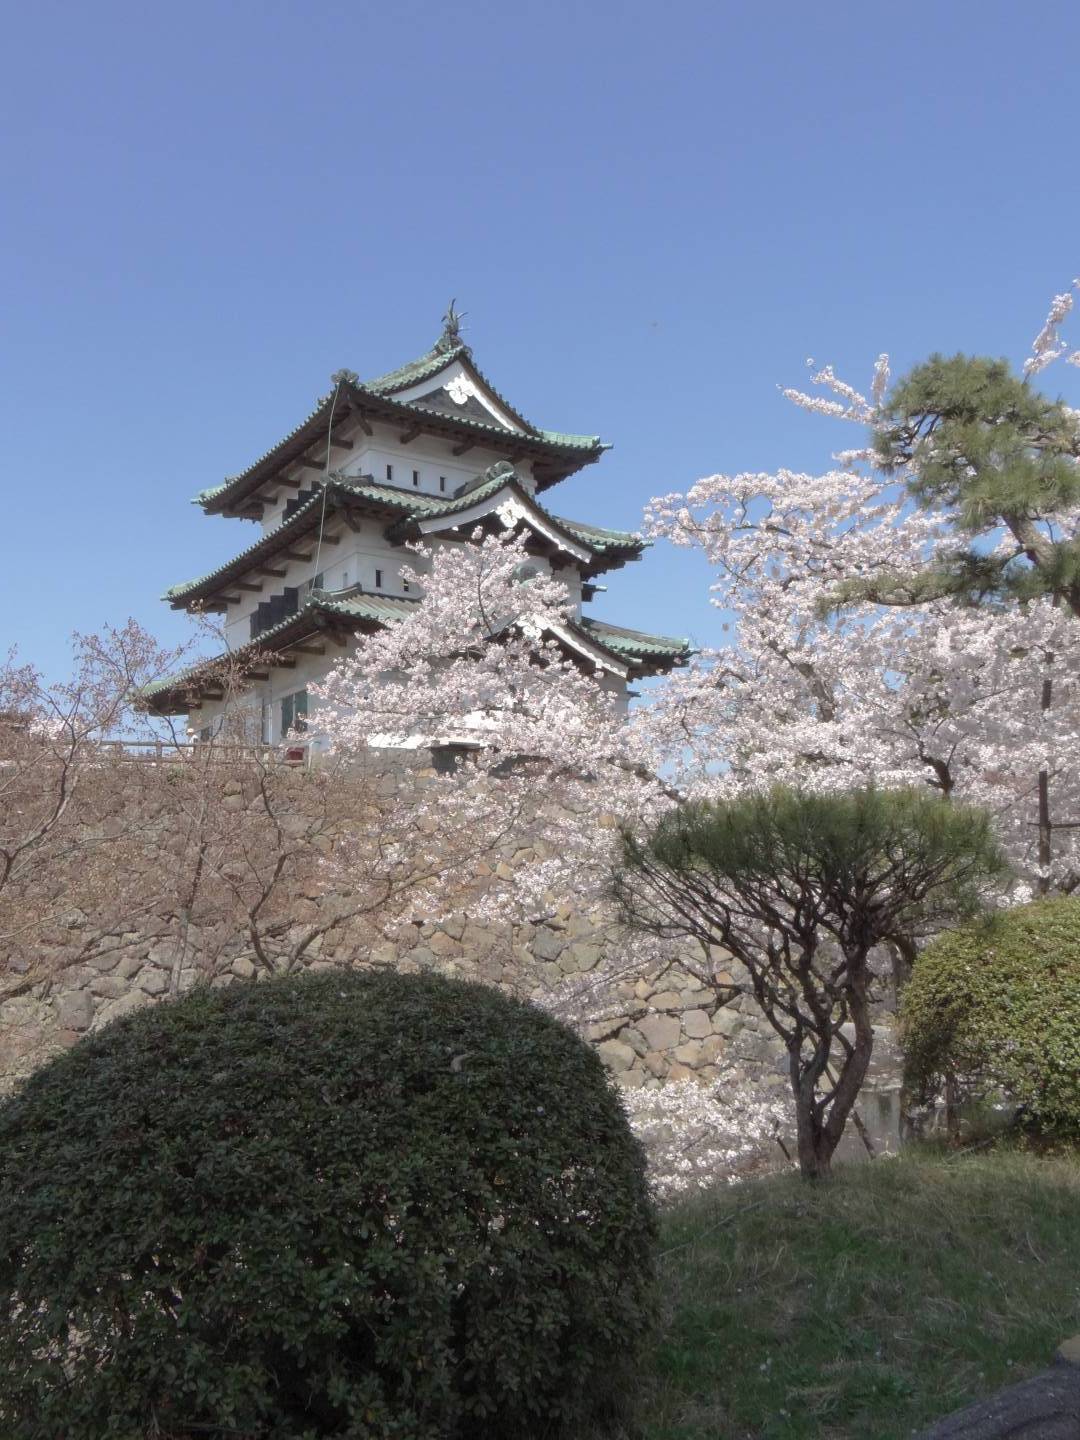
[662, 1032]
[123, 1005]
[636, 1040]
[695, 998]
[726, 1021]
[696, 1024]
[679, 1071]
[109, 987]
[75, 1010]
[154, 982]
[666, 1000]
[712, 1048]
[615, 1055]
[607, 1028]
[105, 962]
[547, 944]
[586, 957]
[440, 943]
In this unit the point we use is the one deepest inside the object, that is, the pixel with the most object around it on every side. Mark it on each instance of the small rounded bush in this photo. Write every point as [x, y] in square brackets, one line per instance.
[356, 1205]
[996, 1007]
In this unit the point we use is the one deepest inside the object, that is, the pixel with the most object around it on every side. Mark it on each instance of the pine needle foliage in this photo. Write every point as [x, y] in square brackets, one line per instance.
[800, 887]
[995, 457]
[902, 854]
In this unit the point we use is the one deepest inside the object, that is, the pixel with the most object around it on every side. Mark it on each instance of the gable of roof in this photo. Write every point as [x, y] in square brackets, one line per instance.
[409, 513]
[436, 408]
[628, 653]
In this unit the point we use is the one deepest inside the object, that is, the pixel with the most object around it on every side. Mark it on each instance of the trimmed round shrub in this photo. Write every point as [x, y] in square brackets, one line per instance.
[995, 1007]
[362, 1205]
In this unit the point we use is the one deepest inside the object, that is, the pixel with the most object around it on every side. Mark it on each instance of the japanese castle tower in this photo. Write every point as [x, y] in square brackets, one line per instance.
[429, 451]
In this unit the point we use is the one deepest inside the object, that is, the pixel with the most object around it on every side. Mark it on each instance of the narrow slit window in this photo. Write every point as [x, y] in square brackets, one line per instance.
[416, 477]
[378, 579]
[294, 709]
[442, 483]
[389, 472]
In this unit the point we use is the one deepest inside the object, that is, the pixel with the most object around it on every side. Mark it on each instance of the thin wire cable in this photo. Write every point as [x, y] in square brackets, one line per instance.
[339, 380]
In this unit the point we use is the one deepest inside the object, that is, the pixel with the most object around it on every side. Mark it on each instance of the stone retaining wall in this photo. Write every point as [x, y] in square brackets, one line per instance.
[647, 1029]
[649, 1025]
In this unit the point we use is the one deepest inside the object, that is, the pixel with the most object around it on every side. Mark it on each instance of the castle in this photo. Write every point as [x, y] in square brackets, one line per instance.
[430, 451]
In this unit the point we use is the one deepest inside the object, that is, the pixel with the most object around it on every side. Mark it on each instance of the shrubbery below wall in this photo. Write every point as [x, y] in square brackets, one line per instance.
[326, 1205]
[995, 1008]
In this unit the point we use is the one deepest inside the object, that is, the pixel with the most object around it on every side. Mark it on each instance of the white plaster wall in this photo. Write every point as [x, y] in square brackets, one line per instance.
[308, 671]
[358, 555]
[430, 456]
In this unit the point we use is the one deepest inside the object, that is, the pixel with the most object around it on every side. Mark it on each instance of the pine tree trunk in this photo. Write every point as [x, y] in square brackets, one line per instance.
[815, 1157]
[817, 1139]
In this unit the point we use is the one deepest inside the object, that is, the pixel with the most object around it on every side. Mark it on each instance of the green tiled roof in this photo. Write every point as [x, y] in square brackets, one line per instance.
[500, 475]
[322, 408]
[635, 646]
[598, 538]
[414, 371]
[382, 495]
[379, 609]
[383, 609]
[439, 358]
[635, 643]
[383, 389]
[410, 506]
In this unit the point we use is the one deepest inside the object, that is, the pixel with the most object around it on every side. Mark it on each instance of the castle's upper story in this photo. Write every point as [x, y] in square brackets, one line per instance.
[439, 412]
[430, 452]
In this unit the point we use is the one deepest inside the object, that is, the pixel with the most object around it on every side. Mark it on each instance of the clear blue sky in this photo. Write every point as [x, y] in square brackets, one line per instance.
[651, 213]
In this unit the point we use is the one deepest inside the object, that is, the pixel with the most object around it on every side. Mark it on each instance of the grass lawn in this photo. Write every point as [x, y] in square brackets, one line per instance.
[868, 1306]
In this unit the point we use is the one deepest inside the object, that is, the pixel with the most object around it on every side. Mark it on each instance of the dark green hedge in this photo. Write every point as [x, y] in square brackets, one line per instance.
[336, 1205]
[997, 1007]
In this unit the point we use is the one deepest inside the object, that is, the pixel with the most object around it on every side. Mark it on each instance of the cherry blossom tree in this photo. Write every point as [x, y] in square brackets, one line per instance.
[55, 832]
[893, 618]
[486, 672]
[696, 1136]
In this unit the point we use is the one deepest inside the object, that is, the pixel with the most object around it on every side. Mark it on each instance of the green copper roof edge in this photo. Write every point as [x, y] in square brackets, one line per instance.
[599, 632]
[382, 387]
[387, 494]
[598, 539]
[414, 371]
[618, 637]
[438, 358]
[312, 605]
[230, 480]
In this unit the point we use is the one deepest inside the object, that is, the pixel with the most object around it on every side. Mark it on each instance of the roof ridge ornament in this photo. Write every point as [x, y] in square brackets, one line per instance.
[501, 470]
[450, 339]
